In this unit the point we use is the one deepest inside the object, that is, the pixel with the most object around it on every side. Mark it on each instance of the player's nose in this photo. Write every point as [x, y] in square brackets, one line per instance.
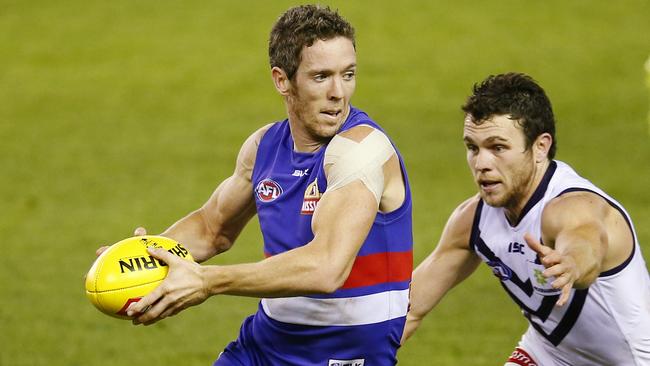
[482, 161]
[335, 90]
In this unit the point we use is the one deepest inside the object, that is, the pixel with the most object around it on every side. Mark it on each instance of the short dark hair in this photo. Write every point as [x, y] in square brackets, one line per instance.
[521, 97]
[300, 27]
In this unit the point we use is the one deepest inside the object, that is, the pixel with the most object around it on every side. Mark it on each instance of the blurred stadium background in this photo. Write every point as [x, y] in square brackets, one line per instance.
[120, 113]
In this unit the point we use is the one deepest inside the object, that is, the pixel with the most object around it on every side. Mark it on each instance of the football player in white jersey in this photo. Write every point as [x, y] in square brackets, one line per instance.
[564, 251]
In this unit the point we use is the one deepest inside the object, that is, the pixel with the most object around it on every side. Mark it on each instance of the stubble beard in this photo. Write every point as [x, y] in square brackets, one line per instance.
[318, 130]
[519, 187]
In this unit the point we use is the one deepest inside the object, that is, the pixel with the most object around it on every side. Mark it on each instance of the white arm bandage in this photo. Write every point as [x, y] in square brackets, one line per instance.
[350, 160]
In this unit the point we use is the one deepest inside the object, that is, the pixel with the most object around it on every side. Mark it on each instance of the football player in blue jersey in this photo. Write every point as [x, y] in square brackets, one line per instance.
[332, 197]
[564, 250]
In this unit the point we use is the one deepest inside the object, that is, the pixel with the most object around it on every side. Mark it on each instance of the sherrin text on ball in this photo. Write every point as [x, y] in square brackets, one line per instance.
[126, 272]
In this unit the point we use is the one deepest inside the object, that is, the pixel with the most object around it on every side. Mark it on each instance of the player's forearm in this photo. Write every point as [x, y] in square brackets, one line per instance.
[588, 267]
[340, 225]
[412, 324]
[293, 273]
[432, 279]
[195, 234]
[586, 247]
[213, 228]
[420, 304]
[428, 287]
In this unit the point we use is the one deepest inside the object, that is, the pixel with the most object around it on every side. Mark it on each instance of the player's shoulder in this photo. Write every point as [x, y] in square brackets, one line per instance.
[248, 152]
[458, 230]
[574, 208]
[462, 218]
[253, 141]
[361, 143]
[259, 133]
[575, 202]
[358, 133]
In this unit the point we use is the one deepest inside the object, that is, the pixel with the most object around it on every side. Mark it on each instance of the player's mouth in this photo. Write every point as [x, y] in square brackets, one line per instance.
[332, 113]
[488, 185]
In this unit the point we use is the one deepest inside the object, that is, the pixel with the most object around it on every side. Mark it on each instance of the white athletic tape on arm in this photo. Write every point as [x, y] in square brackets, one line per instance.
[351, 160]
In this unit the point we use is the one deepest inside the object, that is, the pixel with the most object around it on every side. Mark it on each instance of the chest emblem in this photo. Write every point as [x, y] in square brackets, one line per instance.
[268, 190]
[500, 269]
[541, 284]
[312, 196]
[539, 277]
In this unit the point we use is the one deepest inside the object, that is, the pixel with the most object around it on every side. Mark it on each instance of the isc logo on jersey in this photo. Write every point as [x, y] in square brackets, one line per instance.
[268, 190]
[312, 196]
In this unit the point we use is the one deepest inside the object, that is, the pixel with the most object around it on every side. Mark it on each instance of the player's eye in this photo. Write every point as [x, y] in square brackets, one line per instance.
[349, 75]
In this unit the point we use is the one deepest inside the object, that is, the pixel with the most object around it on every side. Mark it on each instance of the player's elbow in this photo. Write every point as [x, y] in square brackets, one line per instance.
[316, 278]
[329, 281]
[322, 287]
[328, 287]
[324, 274]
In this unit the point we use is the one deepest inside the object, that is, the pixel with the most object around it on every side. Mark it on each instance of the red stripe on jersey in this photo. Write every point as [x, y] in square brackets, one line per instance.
[380, 268]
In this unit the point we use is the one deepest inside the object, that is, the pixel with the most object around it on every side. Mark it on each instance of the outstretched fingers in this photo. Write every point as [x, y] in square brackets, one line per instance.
[558, 266]
[537, 246]
[564, 296]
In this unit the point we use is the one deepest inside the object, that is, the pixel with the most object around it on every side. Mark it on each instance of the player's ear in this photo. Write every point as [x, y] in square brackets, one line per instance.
[281, 81]
[542, 146]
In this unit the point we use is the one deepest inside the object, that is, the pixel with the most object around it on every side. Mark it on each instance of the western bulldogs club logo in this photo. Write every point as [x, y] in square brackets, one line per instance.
[312, 196]
[500, 269]
[268, 190]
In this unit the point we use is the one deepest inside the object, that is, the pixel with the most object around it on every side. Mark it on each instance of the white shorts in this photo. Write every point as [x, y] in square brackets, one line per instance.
[532, 348]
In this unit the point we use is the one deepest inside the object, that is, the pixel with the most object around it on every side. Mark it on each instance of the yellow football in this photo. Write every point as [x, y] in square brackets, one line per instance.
[126, 272]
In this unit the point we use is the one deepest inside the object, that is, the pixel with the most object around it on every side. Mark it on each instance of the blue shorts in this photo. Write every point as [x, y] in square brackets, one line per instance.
[240, 352]
[263, 341]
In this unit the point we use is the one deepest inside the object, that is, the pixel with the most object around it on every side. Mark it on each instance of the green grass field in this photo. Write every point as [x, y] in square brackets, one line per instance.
[115, 114]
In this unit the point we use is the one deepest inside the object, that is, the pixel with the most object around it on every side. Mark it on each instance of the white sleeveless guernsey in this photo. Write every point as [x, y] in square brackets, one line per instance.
[606, 324]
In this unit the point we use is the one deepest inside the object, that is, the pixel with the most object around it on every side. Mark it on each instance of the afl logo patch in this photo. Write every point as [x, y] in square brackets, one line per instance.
[268, 190]
[500, 269]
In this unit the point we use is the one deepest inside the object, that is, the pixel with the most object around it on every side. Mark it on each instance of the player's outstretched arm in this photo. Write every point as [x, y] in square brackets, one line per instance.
[340, 225]
[575, 241]
[213, 228]
[449, 264]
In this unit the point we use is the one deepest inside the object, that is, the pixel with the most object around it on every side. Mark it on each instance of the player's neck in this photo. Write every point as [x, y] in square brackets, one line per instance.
[514, 211]
[303, 142]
